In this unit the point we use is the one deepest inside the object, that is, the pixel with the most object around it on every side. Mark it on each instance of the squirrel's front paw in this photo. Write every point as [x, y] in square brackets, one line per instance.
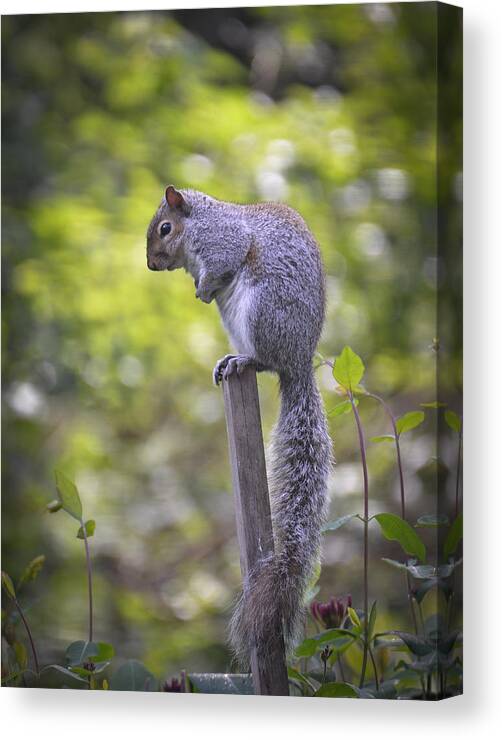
[205, 289]
[231, 364]
[205, 295]
[219, 368]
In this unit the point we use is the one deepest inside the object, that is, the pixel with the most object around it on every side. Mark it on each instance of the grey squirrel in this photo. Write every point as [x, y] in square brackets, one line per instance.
[263, 267]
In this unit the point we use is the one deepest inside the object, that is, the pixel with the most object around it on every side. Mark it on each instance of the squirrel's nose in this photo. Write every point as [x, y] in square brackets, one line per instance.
[151, 265]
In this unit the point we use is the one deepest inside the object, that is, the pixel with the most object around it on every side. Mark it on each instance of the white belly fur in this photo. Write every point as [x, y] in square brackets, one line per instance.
[234, 304]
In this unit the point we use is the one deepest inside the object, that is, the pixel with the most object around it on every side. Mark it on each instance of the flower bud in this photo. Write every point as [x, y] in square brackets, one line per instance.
[326, 653]
[332, 613]
[54, 506]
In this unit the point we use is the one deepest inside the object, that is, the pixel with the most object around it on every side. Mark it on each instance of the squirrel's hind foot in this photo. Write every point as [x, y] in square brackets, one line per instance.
[233, 364]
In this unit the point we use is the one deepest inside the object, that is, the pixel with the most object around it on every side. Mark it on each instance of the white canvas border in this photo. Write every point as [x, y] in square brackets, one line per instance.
[44, 713]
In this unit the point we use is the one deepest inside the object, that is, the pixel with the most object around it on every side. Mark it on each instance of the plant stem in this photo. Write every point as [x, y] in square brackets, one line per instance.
[400, 468]
[362, 448]
[392, 418]
[374, 667]
[424, 690]
[89, 578]
[30, 637]
[410, 600]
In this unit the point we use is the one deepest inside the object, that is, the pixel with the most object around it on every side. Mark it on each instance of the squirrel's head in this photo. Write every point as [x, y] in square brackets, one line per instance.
[165, 235]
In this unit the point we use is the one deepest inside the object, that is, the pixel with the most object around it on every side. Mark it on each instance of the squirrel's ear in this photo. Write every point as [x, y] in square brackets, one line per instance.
[174, 199]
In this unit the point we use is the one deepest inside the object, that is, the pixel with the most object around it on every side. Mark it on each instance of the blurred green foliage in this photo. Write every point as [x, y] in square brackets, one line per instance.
[107, 366]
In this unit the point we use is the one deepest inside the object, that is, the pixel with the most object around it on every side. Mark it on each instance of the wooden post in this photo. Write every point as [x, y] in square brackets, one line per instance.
[252, 511]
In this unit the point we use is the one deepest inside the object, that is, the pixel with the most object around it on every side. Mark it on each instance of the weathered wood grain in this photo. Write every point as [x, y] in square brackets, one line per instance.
[252, 510]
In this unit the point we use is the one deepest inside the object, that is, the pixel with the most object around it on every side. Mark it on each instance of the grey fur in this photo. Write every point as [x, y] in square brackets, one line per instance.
[262, 265]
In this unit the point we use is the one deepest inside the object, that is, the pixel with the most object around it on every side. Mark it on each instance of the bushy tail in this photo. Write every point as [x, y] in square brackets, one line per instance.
[301, 461]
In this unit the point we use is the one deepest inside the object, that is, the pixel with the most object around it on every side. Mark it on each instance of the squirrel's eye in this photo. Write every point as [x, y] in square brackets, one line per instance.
[165, 228]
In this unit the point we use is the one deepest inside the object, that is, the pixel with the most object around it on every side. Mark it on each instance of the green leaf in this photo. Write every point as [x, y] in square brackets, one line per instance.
[447, 643]
[397, 564]
[32, 570]
[384, 438]
[353, 616]
[133, 676]
[348, 369]
[433, 405]
[434, 626]
[16, 674]
[395, 528]
[293, 674]
[21, 655]
[417, 645]
[334, 633]
[56, 677]
[453, 420]
[359, 389]
[311, 645]
[79, 652]
[425, 572]
[105, 652]
[90, 528]
[83, 651]
[68, 496]
[221, 683]
[453, 537]
[97, 668]
[431, 520]
[337, 523]
[426, 585]
[345, 407]
[307, 648]
[312, 588]
[341, 644]
[8, 585]
[409, 421]
[338, 690]
[79, 671]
